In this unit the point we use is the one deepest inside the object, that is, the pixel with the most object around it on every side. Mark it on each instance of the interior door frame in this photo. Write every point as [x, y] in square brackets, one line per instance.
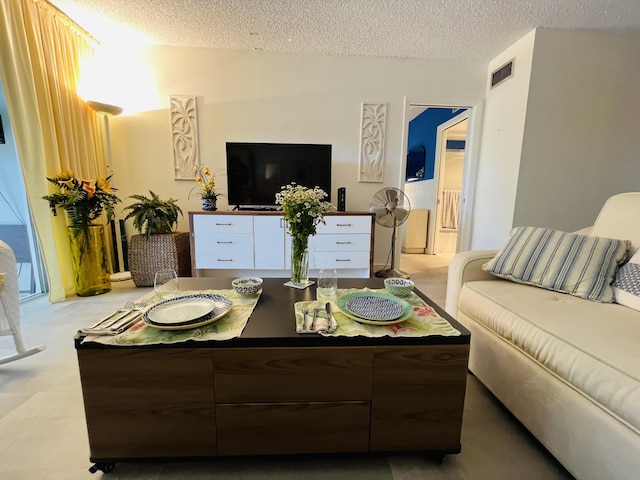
[476, 111]
[440, 169]
[475, 107]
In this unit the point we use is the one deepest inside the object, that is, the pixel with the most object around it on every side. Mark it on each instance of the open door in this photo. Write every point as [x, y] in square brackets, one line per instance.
[450, 153]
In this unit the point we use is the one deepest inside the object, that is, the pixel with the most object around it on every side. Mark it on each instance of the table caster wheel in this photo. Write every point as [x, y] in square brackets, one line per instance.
[103, 467]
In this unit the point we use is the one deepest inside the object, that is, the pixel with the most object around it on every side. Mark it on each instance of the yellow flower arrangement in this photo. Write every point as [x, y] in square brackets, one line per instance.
[206, 183]
[83, 200]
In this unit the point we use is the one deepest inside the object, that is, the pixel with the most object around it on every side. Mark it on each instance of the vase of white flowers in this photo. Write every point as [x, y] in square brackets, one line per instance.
[303, 210]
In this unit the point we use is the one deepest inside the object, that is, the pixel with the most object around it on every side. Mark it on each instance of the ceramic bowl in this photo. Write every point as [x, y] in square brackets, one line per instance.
[247, 285]
[400, 287]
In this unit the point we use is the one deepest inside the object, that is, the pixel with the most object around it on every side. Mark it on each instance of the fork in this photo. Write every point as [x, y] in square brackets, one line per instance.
[122, 311]
[135, 307]
[304, 312]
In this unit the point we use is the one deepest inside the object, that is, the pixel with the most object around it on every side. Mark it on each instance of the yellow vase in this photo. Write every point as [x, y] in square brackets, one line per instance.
[91, 271]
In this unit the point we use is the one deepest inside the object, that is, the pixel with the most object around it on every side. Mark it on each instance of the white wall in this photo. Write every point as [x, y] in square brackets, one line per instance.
[581, 142]
[500, 148]
[257, 96]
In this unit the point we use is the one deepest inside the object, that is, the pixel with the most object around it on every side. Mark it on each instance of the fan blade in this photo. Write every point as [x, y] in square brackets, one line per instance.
[386, 220]
[401, 214]
[392, 195]
[380, 198]
[379, 210]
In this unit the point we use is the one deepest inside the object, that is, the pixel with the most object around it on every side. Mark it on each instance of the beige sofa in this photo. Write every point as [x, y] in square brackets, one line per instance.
[567, 368]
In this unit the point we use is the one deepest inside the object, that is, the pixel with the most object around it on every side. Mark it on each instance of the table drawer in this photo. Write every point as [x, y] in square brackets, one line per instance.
[292, 428]
[345, 224]
[206, 225]
[342, 243]
[292, 374]
[341, 260]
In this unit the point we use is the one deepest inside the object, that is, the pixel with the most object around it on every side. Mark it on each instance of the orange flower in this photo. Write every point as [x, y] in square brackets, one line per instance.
[88, 186]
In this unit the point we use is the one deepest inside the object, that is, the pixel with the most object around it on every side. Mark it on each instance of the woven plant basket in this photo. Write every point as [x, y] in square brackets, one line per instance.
[147, 255]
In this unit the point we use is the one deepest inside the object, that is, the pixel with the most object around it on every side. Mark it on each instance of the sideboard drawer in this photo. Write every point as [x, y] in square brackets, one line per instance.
[345, 224]
[342, 243]
[341, 260]
[225, 251]
[206, 225]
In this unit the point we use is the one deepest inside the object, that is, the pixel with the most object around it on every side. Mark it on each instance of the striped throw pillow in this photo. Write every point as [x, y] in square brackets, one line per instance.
[564, 262]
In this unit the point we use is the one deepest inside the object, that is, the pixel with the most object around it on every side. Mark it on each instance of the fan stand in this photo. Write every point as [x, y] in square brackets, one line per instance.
[392, 272]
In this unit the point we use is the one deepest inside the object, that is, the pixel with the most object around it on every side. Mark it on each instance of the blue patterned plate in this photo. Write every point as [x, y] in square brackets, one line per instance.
[375, 308]
[221, 306]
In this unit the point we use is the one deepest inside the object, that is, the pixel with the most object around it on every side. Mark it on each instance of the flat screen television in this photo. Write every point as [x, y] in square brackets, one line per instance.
[257, 171]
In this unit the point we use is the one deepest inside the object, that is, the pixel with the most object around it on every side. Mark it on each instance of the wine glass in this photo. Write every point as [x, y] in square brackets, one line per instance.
[165, 284]
[327, 285]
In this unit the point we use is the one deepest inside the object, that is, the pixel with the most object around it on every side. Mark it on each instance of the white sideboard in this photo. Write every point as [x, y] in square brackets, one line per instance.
[257, 243]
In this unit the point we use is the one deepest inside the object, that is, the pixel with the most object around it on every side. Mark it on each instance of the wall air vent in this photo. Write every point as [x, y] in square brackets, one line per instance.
[502, 73]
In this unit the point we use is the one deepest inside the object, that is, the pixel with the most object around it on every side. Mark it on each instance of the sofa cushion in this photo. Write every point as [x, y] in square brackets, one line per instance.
[626, 286]
[579, 265]
[591, 346]
[617, 219]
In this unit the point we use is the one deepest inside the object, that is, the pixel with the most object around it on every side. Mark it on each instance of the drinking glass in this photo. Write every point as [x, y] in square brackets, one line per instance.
[165, 284]
[327, 285]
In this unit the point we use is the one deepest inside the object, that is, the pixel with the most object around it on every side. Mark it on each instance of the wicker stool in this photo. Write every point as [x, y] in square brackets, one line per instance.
[147, 255]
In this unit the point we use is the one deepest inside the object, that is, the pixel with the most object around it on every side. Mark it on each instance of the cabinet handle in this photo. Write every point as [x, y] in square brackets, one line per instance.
[343, 260]
[225, 260]
[224, 224]
[343, 225]
[343, 243]
[223, 242]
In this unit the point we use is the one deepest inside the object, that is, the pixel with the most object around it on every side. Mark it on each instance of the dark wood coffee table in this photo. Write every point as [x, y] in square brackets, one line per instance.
[273, 391]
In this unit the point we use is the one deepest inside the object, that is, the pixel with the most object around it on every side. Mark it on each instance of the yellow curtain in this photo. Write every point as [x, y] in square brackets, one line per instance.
[40, 66]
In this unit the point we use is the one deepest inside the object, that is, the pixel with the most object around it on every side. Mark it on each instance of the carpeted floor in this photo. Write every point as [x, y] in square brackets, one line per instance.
[43, 434]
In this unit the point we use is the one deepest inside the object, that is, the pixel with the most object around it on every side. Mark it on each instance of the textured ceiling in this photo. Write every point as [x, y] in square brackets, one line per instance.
[475, 30]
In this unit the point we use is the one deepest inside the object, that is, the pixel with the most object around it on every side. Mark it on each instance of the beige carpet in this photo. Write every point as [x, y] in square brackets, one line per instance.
[43, 434]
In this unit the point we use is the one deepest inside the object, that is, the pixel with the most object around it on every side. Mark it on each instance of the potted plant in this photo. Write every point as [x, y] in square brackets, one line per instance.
[206, 186]
[156, 246]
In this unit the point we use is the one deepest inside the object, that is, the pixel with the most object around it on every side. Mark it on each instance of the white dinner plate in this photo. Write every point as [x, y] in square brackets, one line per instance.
[181, 309]
[221, 307]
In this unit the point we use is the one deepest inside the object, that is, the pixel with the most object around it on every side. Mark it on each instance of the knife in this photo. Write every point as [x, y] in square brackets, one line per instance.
[332, 321]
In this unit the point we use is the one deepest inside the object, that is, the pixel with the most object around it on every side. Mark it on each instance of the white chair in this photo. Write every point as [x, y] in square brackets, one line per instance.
[10, 311]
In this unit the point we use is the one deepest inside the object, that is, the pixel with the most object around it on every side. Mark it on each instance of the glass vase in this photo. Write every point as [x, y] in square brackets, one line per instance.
[91, 270]
[300, 260]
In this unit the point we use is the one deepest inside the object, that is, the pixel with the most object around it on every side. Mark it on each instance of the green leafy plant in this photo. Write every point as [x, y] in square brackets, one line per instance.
[153, 216]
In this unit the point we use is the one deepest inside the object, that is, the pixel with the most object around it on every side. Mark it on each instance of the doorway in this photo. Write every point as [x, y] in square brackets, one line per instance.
[436, 192]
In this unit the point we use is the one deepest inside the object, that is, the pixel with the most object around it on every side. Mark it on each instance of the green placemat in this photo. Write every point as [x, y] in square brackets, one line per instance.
[228, 327]
[424, 320]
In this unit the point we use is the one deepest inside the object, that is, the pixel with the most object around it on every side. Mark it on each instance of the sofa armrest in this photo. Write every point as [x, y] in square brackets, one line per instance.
[466, 267]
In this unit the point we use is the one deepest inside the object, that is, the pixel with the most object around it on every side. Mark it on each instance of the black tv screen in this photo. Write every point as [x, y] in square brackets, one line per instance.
[257, 171]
